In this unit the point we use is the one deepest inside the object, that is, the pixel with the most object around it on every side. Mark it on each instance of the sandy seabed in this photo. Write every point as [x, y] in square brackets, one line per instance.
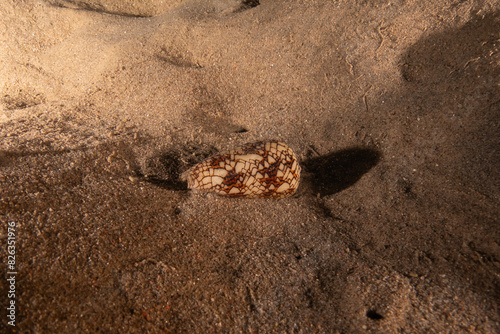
[392, 107]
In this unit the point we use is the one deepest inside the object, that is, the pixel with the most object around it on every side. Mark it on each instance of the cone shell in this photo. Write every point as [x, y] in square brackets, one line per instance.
[262, 169]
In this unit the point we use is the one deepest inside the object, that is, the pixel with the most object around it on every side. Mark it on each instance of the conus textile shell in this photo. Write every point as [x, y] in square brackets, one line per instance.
[261, 169]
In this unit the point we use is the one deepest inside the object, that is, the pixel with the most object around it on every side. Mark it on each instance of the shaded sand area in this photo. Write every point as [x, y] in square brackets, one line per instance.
[392, 107]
